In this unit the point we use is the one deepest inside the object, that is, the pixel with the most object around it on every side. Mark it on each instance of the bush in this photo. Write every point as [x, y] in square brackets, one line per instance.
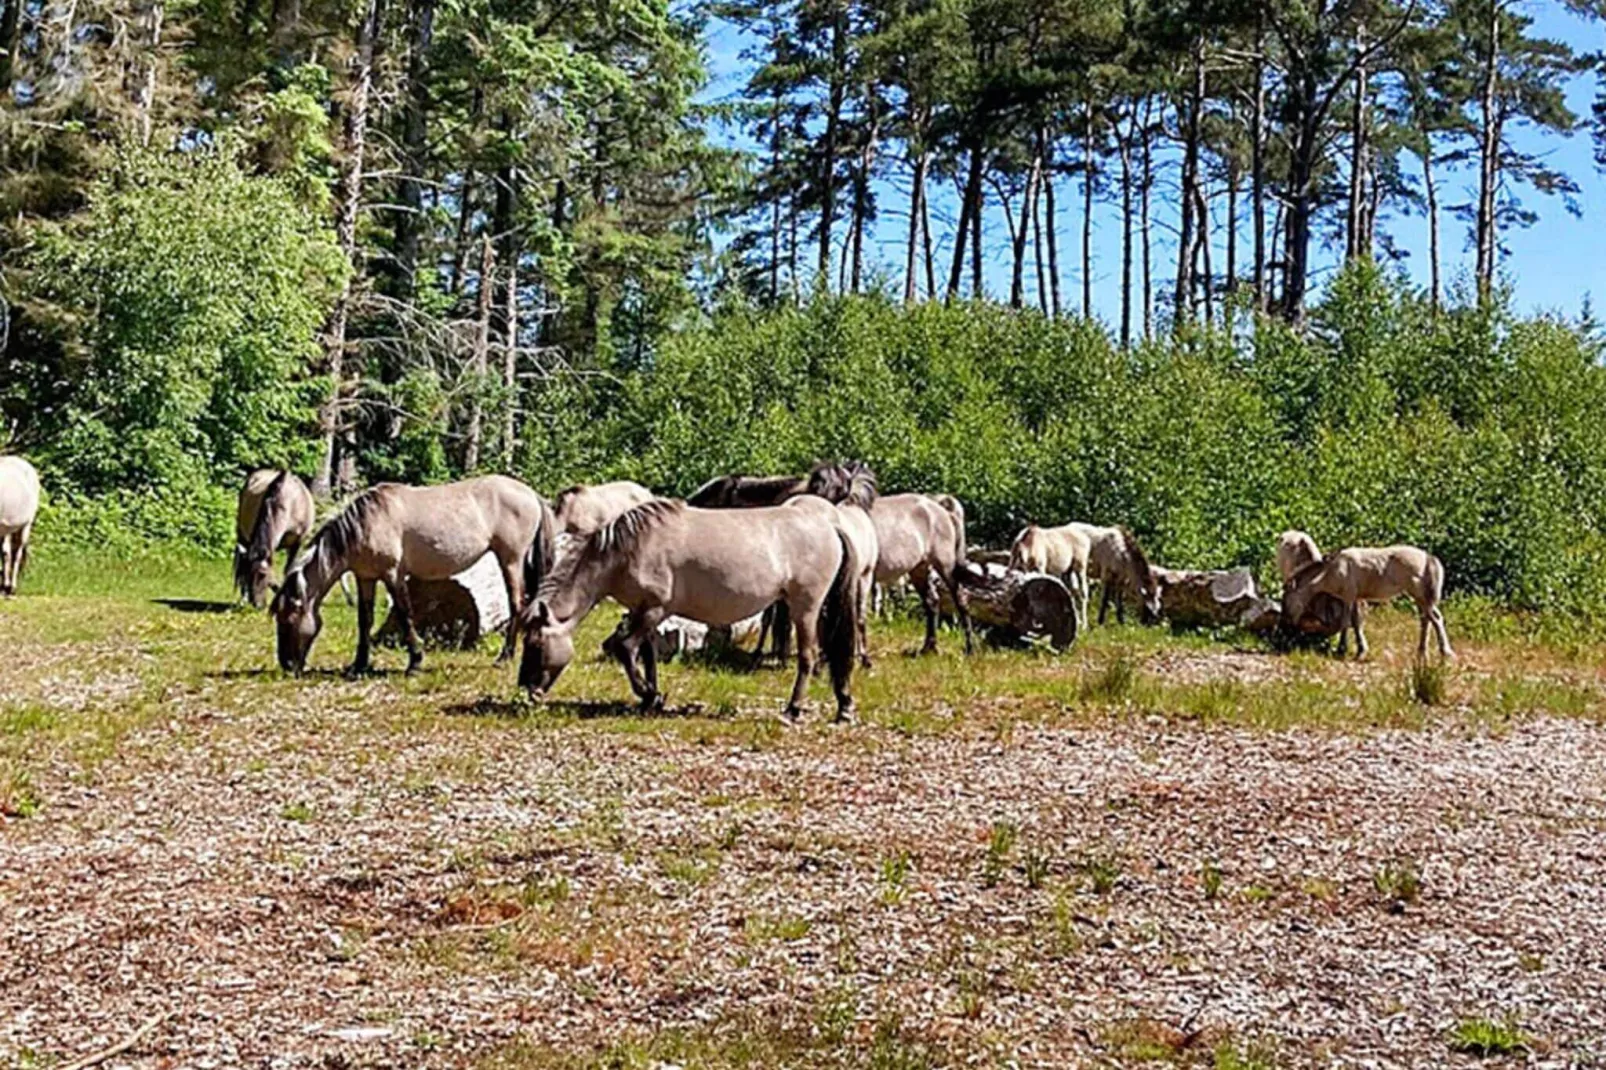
[1469, 433]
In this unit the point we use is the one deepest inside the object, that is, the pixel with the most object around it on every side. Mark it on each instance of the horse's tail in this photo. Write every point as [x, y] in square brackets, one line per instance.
[242, 572]
[839, 621]
[538, 559]
[956, 510]
[1435, 580]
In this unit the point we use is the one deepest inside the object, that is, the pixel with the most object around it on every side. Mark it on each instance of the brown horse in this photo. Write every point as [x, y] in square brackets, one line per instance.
[747, 492]
[1374, 574]
[275, 513]
[851, 515]
[392, 532]
[582, 509]
[19, 505]
[919, 537]
[715, 566]
[1122, 568]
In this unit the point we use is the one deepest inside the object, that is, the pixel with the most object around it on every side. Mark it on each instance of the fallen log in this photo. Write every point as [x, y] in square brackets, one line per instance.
[1228, 598]
[1017, 606]
[456, 612]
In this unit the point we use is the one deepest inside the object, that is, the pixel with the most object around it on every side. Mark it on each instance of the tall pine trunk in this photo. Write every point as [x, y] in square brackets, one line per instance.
[1028, 210]
[1182, 295]
[917, 207]
[1355, 219]
[1087, 213]
[1257, 164]
[510, 367]
[1489, 159]
[1145, 196]
[1126, 228]
[415, 126]
[142, 72]
[336, 466]
[1431, 190]
[1051, 224]
[833, 119]
[970, 200]
[480, 362]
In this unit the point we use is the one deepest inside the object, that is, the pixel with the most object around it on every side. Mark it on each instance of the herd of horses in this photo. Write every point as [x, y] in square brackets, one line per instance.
[804, 552]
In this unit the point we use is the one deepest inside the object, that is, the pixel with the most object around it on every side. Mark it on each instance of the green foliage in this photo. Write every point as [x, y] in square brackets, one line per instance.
[1485, 1037]
[1471, 434]
[170, 328]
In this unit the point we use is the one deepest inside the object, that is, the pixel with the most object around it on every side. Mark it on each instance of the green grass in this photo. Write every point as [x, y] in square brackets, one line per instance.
[1488, 1037]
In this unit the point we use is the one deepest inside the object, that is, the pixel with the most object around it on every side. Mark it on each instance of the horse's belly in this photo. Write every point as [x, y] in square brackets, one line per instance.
[438, 555]
[718, 597]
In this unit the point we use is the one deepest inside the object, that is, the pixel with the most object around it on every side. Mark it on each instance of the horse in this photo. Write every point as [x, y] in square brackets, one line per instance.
[852, 516]
[919, 537]
[392, 532]
[1374, 574]
[747, 492]
[275, 513]
[667, 558]
[1118, 562]
[1063, 552]
[1295, 550]
[19, 505]
[582, 509]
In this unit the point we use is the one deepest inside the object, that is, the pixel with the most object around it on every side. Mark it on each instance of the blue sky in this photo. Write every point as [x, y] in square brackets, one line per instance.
[1552, 265]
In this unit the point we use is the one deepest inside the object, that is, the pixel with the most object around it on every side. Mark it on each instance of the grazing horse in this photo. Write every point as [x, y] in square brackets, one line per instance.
[716, 566]
[1119, 564]
[1374, 574]
[19, 504]
[851, 515]
[275, 513]
[582, 509]
[392, 532]
[1063, 552]
[1295, 550]
[919, 537]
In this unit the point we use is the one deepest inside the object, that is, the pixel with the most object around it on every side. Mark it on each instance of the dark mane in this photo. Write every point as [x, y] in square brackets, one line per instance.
[848, 481]
[257, 546]
[341, 532]
[746, 492]
[1140, 560]
[618, 536]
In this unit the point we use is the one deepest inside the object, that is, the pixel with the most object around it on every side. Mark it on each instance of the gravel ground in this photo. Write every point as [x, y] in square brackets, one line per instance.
[431, 891]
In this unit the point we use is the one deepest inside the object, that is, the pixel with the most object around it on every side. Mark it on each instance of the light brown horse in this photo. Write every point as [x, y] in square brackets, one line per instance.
[19, 505]
[1118, 562]
[918, 537]
[1061, 551]
[714, 566]
[1295, 550]
[582, 509]
[1374, 574]
[850, 516]
[274, 513]
[392, 532]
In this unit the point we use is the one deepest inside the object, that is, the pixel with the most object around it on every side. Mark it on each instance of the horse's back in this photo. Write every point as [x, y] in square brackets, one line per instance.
[437, 531]
[19, 493]
[252, 492]
[910, 530]
[582, 509]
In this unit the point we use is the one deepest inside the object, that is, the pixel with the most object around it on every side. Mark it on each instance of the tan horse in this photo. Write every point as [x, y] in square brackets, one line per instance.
[917, 536]
[1119, 564]
[392, 532]
[582, 509]
[715, 566]
[19, 505]
[1295, 550]
[274, 513]
[1374, 574]
[852, 519]
[1063, 552]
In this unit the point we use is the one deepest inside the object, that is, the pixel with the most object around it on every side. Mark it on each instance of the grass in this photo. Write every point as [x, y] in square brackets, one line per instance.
[1397, 882]
[1487, 1037]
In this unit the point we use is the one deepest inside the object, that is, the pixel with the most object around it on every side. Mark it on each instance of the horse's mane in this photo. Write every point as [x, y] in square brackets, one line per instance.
[619, 536]
[738, 491]
[257, 546]
[1140, 560]
[849, 481]
[339, 534]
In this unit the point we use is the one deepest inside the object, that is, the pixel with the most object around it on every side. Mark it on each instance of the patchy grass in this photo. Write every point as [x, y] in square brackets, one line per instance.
[1487, 1036]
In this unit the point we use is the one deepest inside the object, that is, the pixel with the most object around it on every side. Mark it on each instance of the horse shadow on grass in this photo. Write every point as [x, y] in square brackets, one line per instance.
[196, 605]
[269, 673]
[521, 709]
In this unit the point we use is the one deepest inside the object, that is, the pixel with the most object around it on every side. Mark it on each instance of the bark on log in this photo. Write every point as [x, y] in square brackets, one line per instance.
[455, 612]
[1017, 605]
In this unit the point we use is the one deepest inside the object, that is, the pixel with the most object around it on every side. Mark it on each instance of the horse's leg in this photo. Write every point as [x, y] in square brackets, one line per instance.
[1422, 633]
[19, 555]
[765, 620]
[926, 584]
[403, 601]
[5, 564]
[962, 607]
[639, 642]
[864, 624]
[513, 580]
[782, 632]
[1444, 637]
[1356, 614]
[1104, 601]
[365, 627]
[808, 641]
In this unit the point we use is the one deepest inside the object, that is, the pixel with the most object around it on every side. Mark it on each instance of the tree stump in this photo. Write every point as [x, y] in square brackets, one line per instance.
[456, 612]
[1227, 597]
[1017, 606]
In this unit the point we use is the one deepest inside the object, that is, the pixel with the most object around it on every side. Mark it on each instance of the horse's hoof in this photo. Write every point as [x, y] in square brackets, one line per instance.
[792, 714]
[413, 666]
[653, 703]
[847, 713]
[865, 662]
[357, 672]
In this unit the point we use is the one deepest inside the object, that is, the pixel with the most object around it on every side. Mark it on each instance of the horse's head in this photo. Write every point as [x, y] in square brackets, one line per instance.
[297, 620]
[548, 648]
[1145, 580]
[259, 574]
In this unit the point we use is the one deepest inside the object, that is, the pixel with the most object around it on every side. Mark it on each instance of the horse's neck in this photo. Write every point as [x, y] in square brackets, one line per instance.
[589, 584]
[322, 570]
